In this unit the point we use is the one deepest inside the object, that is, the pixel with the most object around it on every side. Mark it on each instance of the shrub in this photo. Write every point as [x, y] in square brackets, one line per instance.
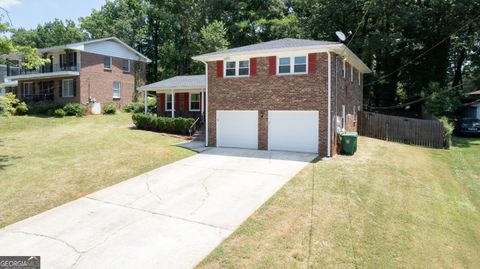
[8, 103]
[74, 109]
[139, 107]
[110, 108]
[43, 110]
[162, 124]
[448, 128]
[21, 109]
[59, 113]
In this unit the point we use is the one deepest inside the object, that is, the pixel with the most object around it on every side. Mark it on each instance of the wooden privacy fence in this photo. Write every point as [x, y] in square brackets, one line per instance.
[427, 133]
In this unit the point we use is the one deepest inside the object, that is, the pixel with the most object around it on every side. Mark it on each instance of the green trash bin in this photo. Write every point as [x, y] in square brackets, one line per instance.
[349, 143]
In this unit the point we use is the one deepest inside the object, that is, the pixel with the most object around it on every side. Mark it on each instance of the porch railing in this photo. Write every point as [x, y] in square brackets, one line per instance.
[37, 97]
[48, 68]
[194, 127]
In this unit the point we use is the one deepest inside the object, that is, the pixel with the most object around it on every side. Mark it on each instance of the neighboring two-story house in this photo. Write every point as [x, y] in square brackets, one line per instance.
[287, 94]
[102, 70]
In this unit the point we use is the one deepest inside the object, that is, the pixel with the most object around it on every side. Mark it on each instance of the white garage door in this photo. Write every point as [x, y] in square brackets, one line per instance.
[237, 129]
[293, 131]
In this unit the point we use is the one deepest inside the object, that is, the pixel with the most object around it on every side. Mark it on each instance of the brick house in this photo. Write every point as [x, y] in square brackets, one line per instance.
[102, 70]
[287, 94]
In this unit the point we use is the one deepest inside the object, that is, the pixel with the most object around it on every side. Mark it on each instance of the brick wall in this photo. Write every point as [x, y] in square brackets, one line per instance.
[345, 92]
[265, 92]
[57, 99]
[97, 82]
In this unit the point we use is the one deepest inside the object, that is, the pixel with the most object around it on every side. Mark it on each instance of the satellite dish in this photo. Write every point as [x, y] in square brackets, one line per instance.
[341, 35]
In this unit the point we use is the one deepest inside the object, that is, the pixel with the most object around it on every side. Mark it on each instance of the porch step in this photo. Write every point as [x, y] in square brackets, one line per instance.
[199, 135]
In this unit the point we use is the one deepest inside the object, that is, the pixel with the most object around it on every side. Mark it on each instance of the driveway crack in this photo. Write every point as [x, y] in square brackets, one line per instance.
[147, 178]
[205, 189]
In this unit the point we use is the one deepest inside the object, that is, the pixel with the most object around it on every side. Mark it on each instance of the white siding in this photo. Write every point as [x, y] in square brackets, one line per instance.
[111, 48]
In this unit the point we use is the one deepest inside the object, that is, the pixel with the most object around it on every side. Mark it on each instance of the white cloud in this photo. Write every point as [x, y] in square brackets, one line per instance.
[9, 3]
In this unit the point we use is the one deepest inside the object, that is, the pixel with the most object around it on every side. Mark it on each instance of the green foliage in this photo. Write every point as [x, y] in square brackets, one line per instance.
[49, 34]
[443, 102]
[7, 46]
[213, 37]
[21, 109]
[138, 107]
[162, 124]
[59, 113]
[75, 109]
[43, 110]
[448, 128]
[110, 108]
[8, 103]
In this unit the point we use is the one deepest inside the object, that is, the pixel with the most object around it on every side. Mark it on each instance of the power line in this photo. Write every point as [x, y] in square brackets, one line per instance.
[360, 23]
[413, 102]
[419, 56]
[8, 15]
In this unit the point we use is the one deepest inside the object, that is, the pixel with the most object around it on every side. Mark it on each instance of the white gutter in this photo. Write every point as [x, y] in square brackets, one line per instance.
[329, 132]
[206, 103]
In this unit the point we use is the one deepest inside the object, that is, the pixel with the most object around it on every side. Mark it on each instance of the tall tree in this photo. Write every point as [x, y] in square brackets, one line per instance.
[49, 34]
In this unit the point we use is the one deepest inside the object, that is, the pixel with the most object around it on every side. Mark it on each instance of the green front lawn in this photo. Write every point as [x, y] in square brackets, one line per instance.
[390, 205]
[45, 162]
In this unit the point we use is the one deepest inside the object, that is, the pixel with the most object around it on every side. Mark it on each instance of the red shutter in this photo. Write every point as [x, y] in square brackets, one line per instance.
[253, 67]
[272, 65]
[177, 103]
[186, 103]
[220, 69]
[312, 65]
[162, 102]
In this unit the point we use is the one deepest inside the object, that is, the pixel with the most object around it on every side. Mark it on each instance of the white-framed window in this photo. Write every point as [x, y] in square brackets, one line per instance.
[107, 62]
[240, 68]
[168, 102]
[351, 73]
[126, 65]
[194, 101]
[67, 88]
[359, 78]
[292, 65]
[27, 89]
[344, 69]
[117, 87]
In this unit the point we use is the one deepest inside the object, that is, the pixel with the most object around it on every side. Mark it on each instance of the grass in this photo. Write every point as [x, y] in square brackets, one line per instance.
[45, 162]
[388, 206]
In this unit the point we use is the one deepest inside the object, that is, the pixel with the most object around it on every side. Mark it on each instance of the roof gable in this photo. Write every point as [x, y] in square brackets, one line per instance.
[286, 45]
[110, 46]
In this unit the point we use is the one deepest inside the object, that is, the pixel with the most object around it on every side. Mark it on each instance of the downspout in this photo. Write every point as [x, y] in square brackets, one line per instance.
[336, 97]
[206, 103]
[329, 129]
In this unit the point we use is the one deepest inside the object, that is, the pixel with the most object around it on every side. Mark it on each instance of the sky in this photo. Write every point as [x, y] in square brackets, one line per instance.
[29, 13]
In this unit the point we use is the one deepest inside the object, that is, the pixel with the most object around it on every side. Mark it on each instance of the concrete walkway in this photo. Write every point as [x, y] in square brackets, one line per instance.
[171, 217]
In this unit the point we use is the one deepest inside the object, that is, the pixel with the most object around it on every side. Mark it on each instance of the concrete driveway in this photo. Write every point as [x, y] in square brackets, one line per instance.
[171, 217]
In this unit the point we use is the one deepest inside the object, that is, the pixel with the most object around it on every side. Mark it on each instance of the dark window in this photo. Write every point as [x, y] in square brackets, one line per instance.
[107, 62]
[126, 65]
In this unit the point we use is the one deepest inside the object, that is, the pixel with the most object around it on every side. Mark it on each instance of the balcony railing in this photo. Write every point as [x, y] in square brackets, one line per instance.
[37, 97]
[48, 68]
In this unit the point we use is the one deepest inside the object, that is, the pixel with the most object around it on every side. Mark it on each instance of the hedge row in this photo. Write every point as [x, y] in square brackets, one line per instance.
[162, 124]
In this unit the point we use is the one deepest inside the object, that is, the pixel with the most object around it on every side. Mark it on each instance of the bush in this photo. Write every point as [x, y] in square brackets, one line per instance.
[43, 110]
[110, 108]
[162, 124]
[74, 109]
[139, 107]
[21, 109]
[59, 113]
[448, 128]
[8, 103]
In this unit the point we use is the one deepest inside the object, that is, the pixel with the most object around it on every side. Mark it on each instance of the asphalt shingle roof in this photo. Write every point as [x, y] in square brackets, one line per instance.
[274, 44]
[178, 82]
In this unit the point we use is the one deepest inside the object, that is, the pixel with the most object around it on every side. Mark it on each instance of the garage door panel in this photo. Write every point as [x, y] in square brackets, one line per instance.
[238, 129]
[293, 131]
